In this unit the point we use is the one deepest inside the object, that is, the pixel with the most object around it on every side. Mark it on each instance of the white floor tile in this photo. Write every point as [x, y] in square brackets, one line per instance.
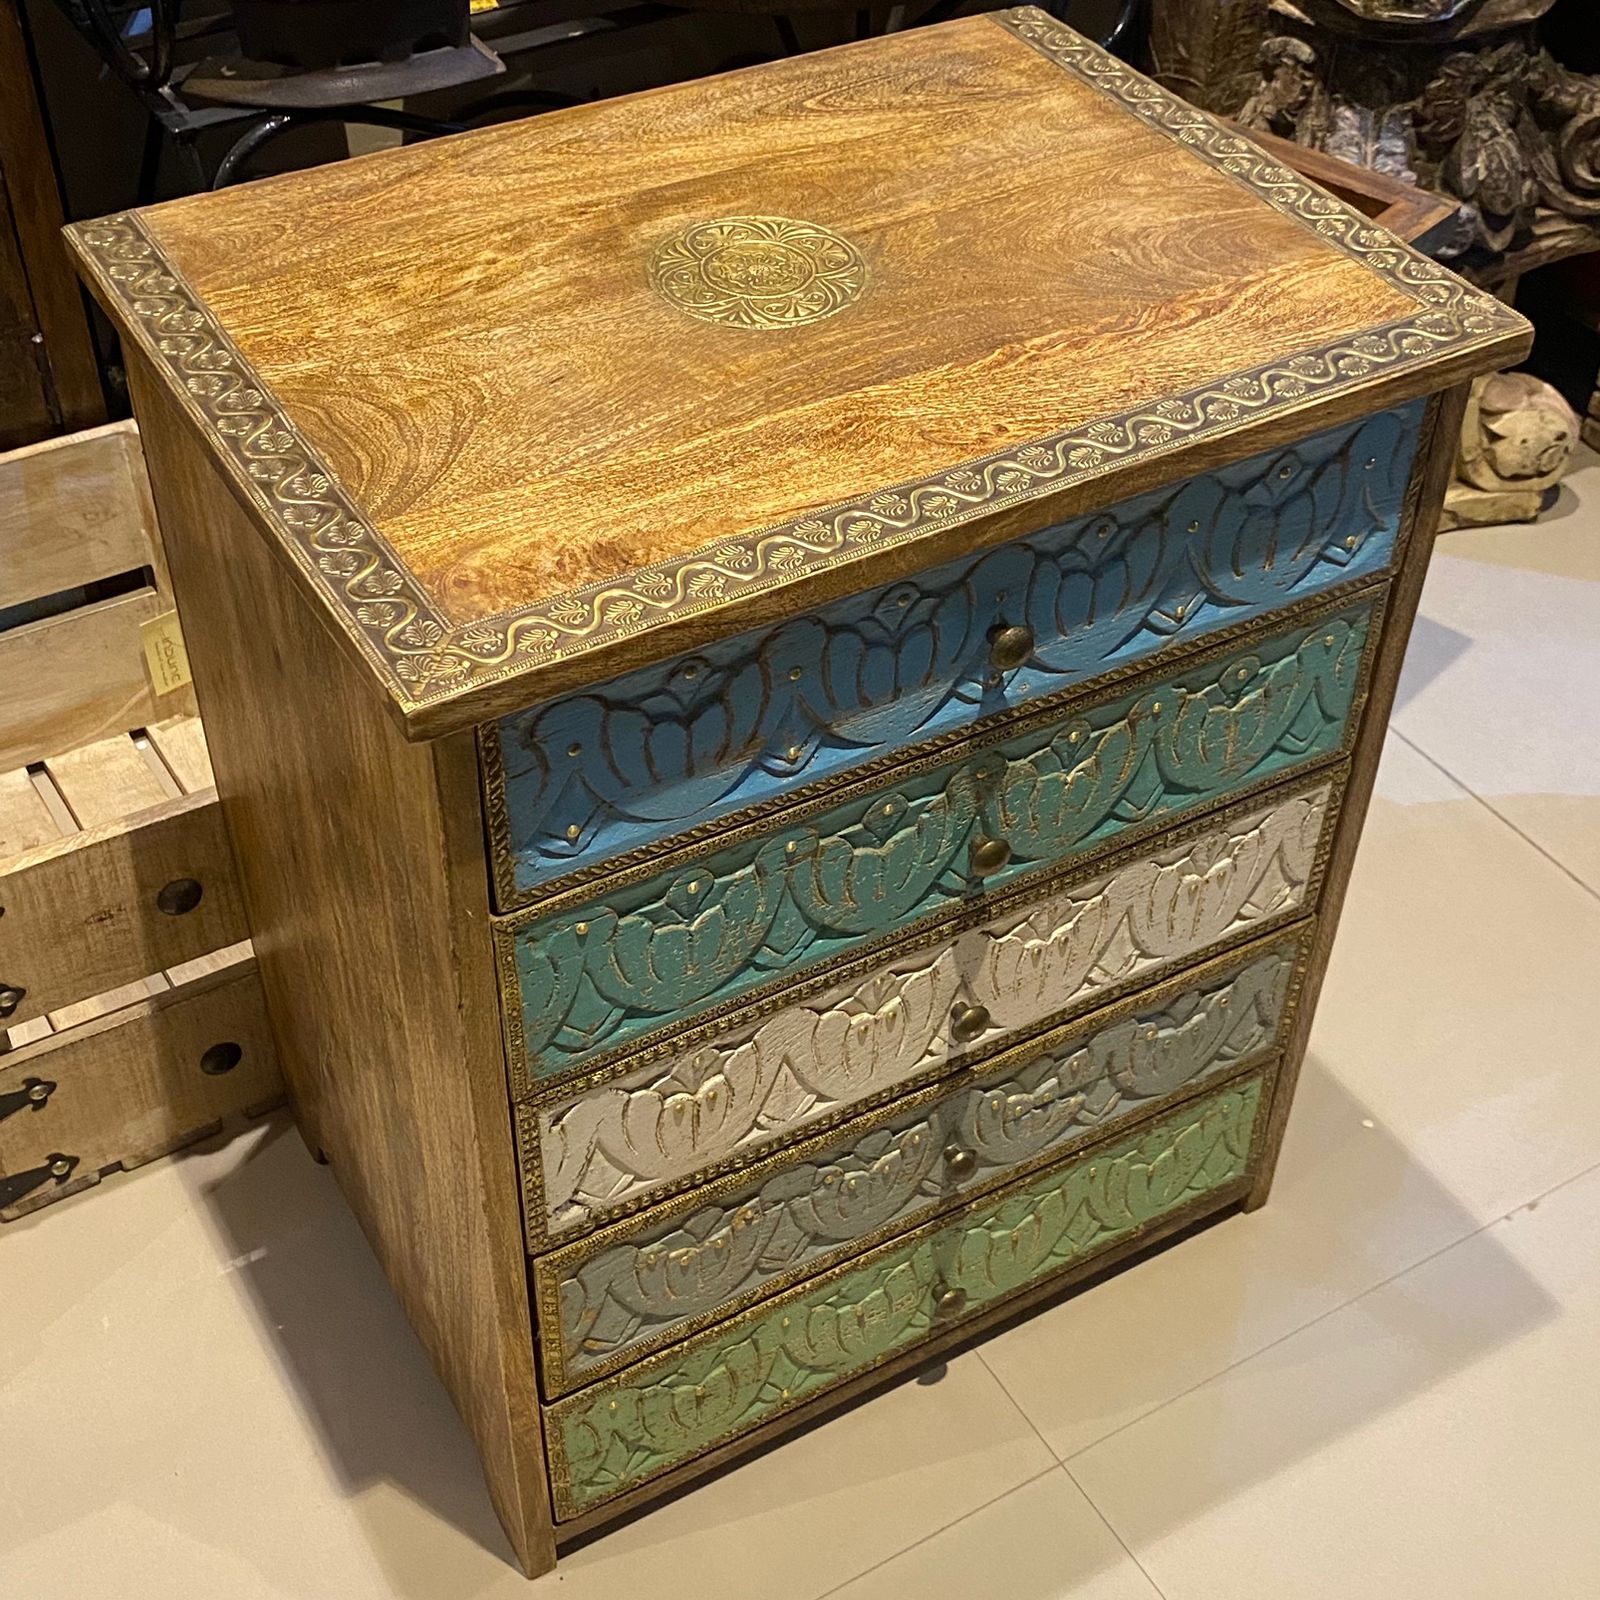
[1043, 1541]
[1442, 1088]
[208, 1390]
[1502, 680]
[1440, 1437]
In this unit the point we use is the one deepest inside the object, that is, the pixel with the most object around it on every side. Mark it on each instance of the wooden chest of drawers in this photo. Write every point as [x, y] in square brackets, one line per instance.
[794, 665]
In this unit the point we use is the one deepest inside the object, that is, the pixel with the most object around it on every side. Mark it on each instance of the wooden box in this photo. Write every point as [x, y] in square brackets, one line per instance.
[794, 665]
[131, 1015]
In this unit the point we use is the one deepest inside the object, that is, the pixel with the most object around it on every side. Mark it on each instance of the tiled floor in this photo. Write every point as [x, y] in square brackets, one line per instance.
[1383, 1384]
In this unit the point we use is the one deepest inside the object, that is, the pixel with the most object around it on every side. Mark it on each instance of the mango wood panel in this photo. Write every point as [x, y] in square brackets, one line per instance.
[370, 915]
[484, 443]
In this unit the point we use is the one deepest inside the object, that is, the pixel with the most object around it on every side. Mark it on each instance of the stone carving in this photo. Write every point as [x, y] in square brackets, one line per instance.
[631, 1295]
[623, 1431]
[611, 1146]
[1517, 439]
[600, 975]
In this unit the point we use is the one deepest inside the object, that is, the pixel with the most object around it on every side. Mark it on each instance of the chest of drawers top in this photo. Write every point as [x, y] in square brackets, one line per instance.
[530, 409]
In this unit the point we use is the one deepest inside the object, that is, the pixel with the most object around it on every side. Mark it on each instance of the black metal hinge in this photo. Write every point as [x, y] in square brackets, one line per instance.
[56, 1168]
[30, 1095]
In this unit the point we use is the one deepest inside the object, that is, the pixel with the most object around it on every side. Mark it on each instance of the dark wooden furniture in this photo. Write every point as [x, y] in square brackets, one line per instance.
[794, 664]
[48, 377]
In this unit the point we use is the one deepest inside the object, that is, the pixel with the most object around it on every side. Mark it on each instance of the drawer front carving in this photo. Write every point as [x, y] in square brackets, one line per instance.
[669, 1408]
[615, 1145]
[605, 973]
[582, 780]
[619, 1294]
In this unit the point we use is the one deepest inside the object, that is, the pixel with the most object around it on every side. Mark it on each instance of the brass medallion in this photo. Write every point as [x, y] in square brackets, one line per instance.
[758, 272]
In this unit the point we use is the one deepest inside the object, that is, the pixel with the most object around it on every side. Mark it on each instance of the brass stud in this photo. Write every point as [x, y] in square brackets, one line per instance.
[574, 749]
[1371, 462]
[60, 1167]
[573, 830]
[794, 752]
[1351, 542]
[1179, 612]
[1327, 639]
[904, 600]
[1194, 527]
[583, 927]
[1010, 647]
[796, 674]
[790, 848]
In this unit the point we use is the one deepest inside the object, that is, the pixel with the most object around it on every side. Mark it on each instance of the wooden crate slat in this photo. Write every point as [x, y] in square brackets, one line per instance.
[182, 743]
[79, 677]
[72, 510]
[25, 820]
[131, 1086]
[101, 1005]
[82, 914]
[107, 781]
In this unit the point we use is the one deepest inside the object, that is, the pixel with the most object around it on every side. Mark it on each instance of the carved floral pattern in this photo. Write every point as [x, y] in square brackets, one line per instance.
[622, 1431]
[611, 1146]
[606, 971]
[423, 658]
[620, 1297]
[583, 779]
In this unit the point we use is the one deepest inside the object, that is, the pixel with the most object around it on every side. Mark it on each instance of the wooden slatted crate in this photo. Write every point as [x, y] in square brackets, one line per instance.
[131, 1016]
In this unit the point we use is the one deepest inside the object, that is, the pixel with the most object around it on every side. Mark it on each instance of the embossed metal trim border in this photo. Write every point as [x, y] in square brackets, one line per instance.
[527, 1107]
[560, 1471]
[839, 788]
[424, 659]
[917, 931]
[1294, 941]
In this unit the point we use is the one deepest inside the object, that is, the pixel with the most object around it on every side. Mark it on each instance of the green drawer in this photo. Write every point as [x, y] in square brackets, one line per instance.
[663, 1412]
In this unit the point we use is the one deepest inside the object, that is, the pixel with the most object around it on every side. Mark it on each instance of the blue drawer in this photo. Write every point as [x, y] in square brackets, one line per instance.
[598, 972]
[753, 718]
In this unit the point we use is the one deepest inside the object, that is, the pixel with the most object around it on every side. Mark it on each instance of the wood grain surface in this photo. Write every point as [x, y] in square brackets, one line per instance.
[361, 862]
[466, 331]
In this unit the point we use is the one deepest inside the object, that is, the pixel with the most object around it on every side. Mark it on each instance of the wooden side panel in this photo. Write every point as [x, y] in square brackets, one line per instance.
[133, 1084]
[370, 921]
[84, 913]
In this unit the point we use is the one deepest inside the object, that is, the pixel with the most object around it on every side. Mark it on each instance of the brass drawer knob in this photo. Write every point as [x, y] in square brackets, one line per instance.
[959, 1161]
[1010, 647]
[967, 1022]
[951, 1303]
[989, 855]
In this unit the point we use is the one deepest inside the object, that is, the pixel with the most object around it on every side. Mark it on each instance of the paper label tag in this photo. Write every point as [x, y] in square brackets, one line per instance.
[165, 658]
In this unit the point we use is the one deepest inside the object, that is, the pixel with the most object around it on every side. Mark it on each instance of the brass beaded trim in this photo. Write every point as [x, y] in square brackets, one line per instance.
[424, 659]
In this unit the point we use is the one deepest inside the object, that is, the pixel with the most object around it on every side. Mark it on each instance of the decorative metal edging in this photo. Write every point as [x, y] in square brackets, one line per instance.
[424, 658]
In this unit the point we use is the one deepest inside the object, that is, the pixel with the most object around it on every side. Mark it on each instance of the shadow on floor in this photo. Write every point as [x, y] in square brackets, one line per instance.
[380, 1410]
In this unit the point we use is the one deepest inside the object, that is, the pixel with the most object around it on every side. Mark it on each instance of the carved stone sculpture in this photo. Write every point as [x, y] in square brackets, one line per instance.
[1517, 439]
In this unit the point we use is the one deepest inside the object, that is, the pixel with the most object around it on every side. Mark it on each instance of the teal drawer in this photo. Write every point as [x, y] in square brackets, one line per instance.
[618, 1294]
[608, 969]
[583, 780]
[670, 1408]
